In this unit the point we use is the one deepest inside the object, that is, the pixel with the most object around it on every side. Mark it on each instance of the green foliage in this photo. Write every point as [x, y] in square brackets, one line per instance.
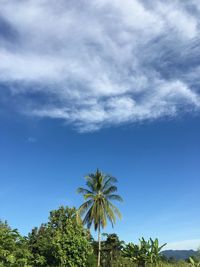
[155, 249]
[175, 264]
[193, 262]
[147, 252]
[61, 242]
[13, 248]
[111, 250]
[98, 206]
[99, 193]
[92, 261]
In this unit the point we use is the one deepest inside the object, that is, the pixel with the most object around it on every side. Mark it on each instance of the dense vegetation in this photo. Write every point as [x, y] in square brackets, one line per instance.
[64, 242]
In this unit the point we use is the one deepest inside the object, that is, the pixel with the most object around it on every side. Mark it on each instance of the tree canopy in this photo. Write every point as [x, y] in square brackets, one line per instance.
[60, 242]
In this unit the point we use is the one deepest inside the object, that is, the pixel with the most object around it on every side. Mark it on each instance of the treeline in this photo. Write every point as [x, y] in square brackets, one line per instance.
[64, 242]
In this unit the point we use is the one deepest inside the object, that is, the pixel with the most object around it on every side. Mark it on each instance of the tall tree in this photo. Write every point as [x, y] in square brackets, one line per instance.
[98, 206]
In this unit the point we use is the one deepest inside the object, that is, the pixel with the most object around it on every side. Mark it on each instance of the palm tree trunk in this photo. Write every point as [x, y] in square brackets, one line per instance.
[99, 250]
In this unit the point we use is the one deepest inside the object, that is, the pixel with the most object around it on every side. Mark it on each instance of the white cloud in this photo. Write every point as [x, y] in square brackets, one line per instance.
[184, 245]
[100, 63]
[178, 19]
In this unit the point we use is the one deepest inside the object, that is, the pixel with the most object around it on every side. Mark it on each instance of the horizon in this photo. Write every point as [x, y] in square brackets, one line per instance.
[102, 85]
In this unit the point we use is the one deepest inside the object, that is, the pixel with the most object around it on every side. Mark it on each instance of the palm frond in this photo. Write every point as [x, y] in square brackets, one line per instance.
[115, 197]
[109, 180]
[90, 184]
[110, 215]
[83, 191]
[89, 195]
[84, 207]
[88, 218]
[116, 210]
[110, 190]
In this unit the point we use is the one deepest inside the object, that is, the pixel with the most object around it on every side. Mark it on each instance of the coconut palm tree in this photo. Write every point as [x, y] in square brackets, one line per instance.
[98, 207]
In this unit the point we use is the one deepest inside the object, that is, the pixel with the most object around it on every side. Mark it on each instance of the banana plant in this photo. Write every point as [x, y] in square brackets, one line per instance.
[147, 252]
[155, 250]
[137, 253]
[144, 252]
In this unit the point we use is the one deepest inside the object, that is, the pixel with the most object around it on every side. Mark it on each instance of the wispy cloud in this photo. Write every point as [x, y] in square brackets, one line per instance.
[102, 62]
[186, 244]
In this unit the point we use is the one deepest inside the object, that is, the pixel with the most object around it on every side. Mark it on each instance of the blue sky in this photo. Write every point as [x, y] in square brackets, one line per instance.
[99, 84]
[157, 165]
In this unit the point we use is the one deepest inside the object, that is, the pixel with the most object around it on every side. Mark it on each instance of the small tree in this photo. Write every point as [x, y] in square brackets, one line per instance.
[111, 249]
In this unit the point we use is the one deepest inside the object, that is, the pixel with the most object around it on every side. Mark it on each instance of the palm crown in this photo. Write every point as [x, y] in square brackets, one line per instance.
[101, 190]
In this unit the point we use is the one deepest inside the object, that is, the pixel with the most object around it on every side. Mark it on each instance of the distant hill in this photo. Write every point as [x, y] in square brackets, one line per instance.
[179, 254]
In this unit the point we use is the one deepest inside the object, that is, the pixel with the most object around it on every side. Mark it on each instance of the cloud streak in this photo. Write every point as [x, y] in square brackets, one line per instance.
[99, 63]
[186, 244]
